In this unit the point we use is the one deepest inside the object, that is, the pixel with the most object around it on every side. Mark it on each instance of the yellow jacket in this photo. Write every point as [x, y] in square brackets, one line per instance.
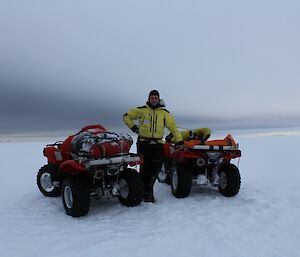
[152, 122]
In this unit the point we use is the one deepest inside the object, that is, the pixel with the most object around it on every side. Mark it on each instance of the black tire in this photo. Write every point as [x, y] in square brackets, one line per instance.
[75, 197]
[131, 188]
[230, 180]
[181, 181]
[164, 174]
[48, 180]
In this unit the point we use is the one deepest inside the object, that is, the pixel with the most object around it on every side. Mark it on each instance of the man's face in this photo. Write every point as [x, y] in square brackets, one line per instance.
[154, 100]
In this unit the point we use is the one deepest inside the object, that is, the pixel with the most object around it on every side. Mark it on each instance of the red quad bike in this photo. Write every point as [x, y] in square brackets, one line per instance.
[93, 162]
[205, 163]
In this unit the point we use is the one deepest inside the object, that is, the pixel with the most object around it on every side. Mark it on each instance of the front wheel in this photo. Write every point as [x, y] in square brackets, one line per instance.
[75, 197]
[230, 180]
[47, 180]
[181, 181]
[131, 188]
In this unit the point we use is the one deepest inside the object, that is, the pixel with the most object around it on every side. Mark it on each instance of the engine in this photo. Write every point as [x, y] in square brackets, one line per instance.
[102, 145]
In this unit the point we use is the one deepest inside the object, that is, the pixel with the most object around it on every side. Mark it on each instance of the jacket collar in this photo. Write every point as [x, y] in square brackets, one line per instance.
[154, 107]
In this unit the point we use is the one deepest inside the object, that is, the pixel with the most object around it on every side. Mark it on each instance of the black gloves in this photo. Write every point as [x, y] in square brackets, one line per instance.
[178, 144]
[135, 129]
[203, 139]
[169, 138]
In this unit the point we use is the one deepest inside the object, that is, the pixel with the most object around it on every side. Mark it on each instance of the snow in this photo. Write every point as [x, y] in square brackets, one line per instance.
[261, 221]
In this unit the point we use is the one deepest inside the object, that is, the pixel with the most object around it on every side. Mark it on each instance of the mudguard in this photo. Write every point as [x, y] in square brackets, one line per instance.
[72, 167]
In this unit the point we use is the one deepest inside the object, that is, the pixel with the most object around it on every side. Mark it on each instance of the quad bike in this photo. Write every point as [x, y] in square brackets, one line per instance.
[202, 163]
[93, 162]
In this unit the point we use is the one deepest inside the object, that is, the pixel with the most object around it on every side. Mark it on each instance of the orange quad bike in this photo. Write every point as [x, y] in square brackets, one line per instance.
[201, 163]
[93, 162]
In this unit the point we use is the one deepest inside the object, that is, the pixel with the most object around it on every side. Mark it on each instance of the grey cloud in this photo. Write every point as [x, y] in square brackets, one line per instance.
[226, 122]
[64, 63]
[25, 109]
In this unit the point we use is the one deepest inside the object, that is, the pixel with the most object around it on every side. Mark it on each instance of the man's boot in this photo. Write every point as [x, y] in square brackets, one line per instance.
[148, 195]
[148, 198]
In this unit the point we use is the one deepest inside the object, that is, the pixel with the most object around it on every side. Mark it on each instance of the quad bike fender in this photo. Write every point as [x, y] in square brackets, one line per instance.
[169, 150]
[53, 155]
[232, 155]
[72, 167]
[135, 163]
[179, 155]
[183, 156]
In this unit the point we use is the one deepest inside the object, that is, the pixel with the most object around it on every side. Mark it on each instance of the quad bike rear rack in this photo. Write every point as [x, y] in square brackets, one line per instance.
[131, 159]
[226, 144]
[215, 147]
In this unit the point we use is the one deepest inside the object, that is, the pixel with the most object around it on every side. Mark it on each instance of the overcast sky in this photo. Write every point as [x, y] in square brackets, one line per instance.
[64, 64]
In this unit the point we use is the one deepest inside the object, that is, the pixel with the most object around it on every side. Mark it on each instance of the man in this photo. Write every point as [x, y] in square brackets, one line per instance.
[152, 119]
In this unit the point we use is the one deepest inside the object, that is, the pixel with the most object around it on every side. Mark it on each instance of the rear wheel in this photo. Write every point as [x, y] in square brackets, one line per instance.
[75, 197]
[47, 180]
[181, 181]
[131, 188]
[230, 180]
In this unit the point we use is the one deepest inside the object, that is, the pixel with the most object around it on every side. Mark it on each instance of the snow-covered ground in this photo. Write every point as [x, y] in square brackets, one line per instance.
[262, 220]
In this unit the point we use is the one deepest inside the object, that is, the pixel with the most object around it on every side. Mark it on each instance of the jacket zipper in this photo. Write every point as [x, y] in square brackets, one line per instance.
[151, 124]
[155, 122]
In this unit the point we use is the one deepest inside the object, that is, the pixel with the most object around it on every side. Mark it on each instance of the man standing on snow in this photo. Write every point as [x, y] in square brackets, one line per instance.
[153, 118]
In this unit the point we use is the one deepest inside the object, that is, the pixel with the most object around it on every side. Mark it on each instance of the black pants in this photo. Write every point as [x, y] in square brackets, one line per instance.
[153, 160]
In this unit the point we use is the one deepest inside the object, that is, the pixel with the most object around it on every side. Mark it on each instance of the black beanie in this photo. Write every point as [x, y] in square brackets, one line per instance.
[153, 92]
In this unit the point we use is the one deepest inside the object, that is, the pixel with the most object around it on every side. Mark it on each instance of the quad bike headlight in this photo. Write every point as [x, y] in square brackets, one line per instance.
[213, 157]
